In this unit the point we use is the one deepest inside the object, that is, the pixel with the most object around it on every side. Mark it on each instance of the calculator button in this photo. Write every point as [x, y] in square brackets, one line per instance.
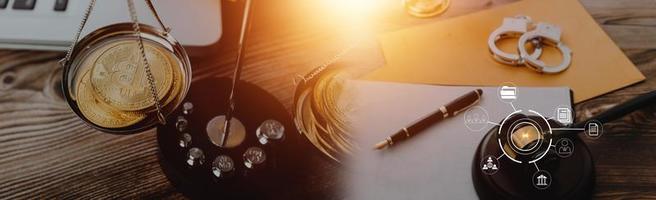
[3, 4]
[60, 5]
[24, 4]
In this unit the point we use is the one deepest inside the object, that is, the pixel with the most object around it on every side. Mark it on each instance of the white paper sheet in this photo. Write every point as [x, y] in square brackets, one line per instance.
[435, 164]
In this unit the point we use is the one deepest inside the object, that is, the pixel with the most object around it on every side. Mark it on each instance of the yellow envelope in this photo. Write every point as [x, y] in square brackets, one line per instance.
[455, 52]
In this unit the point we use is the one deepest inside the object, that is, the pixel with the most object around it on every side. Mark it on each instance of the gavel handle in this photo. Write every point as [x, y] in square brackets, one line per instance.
[621, 110]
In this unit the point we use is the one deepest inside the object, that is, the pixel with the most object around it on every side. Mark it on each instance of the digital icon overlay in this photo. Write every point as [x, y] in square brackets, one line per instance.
[508, 92]
[476, 118]
[525, 136]
[541, 179]
[490, 165]
[593, 129]
[564, 115]
[564, 147]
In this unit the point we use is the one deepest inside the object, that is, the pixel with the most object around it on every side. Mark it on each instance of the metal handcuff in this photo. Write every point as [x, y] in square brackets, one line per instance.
[542, 34]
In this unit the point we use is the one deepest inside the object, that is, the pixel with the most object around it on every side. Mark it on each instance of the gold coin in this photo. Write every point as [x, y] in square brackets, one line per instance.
[119, 75]
[99, 113]
[175, 90]
[87, 62]
[177, 82]
[174, 97]
[425, 8]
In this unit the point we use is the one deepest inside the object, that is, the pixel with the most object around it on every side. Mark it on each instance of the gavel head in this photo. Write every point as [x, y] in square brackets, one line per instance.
[521, 145]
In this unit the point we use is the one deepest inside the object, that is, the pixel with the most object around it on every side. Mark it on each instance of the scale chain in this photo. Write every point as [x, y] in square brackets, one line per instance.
[149, 74]
[137, 30]
[159, 20]
[69, 52]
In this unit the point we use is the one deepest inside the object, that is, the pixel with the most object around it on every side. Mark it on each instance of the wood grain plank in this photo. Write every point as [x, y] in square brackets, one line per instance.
[48, 153]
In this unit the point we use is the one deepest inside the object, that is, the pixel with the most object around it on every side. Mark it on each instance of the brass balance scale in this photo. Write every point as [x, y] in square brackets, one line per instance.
[229, 139]
[125, 78]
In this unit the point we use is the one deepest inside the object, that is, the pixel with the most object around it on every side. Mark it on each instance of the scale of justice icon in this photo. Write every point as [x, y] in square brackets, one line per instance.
[529, 156]
[231, 139]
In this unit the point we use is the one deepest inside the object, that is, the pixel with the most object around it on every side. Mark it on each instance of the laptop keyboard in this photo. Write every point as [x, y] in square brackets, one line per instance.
[3, 3]
[60, 5]
[50, 24]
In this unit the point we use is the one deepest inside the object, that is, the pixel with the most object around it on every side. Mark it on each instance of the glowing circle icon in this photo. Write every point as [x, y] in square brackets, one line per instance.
[476, 118]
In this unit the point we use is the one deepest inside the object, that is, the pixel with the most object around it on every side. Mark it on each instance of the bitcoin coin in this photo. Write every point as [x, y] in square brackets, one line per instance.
[425, 8]
[175, 96]
[99, 113]
[170, 100]
[116, 88]
[86, 62]
[176, 84]
[119, 75]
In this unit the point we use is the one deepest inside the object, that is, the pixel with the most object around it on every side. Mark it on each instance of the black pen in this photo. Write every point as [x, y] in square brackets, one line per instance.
[453, 108]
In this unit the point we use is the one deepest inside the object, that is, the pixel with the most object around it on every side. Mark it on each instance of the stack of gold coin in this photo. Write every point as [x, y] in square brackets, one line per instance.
[106, 80]
[113, 90]
[320, 117]
[425, 8]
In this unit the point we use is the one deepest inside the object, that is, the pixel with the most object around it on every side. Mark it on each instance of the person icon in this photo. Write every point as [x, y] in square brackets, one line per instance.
[564, 147]
[490, 165]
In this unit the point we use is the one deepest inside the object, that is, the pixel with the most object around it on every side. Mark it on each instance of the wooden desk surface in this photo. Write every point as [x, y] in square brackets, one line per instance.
[46, 151]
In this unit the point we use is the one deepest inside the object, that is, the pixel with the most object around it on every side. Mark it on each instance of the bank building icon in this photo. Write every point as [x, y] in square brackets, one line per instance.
[542, 180]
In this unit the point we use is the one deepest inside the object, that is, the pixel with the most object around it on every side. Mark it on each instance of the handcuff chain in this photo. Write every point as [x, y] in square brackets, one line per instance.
[149, 74]
[69, 52]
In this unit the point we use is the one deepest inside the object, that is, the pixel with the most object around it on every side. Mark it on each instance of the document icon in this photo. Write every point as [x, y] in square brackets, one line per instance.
[564, 115]
[593, 129]
[508, 92]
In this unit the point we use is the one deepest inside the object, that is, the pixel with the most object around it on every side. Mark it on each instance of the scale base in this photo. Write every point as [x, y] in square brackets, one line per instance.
[285, 158]
[216, 126]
